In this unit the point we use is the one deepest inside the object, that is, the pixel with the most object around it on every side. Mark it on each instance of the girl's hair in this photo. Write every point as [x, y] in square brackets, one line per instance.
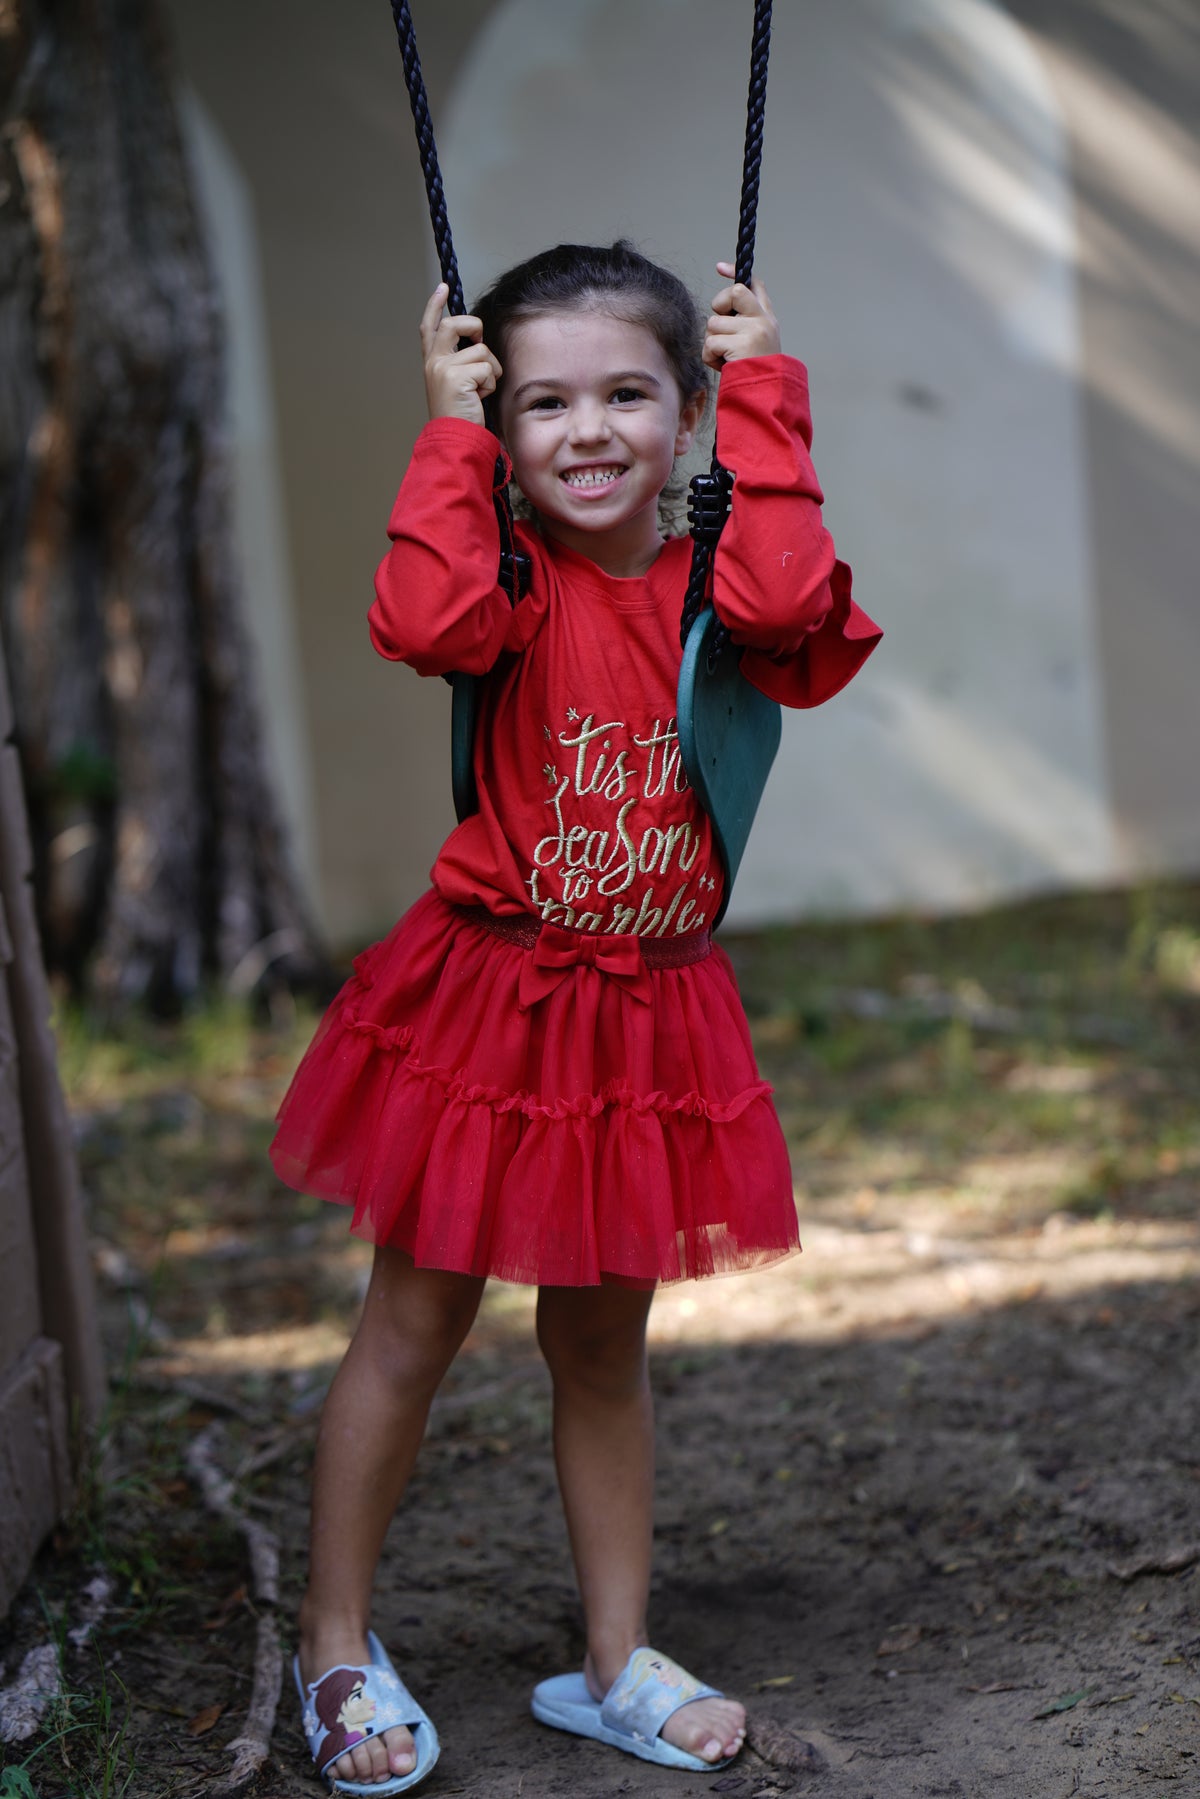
[618, 280]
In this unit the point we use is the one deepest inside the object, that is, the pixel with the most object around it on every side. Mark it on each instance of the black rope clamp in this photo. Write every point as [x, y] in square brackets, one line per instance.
[708, 504]
[516, 572]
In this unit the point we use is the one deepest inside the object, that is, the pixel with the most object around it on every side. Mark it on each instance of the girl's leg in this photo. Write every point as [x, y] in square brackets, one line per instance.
[413, 1323]
[594, 1342]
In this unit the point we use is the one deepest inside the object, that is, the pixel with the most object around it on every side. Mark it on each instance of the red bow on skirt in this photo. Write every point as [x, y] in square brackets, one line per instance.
[557, 952]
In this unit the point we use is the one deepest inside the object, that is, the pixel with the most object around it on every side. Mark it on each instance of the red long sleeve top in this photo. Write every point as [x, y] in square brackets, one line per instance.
[585, 815]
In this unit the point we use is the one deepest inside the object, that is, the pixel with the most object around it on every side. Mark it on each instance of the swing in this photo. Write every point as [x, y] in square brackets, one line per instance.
[729, 732]
[514, 566]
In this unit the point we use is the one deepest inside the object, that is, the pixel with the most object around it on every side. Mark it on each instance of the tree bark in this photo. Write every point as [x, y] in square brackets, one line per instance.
[159, 856]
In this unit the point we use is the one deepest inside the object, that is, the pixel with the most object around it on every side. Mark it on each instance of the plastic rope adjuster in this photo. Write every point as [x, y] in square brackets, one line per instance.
[708, 505]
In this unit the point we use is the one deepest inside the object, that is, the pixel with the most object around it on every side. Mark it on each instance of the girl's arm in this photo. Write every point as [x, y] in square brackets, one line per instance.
[438, 603]
[777, 582]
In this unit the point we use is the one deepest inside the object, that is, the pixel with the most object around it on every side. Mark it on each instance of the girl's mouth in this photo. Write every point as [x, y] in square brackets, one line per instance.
[593, 478]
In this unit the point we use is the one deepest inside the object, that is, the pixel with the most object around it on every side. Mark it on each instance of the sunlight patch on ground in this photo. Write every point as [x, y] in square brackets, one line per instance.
[291, 1349]
[1030, 1179]
[1052, 1077]
[852, 1283]
[986, 1187]
[849, 1282]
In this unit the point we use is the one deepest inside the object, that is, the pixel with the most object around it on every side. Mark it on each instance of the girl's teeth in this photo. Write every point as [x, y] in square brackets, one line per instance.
[592, 477]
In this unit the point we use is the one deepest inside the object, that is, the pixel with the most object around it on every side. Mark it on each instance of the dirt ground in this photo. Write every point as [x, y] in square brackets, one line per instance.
[929, 1494]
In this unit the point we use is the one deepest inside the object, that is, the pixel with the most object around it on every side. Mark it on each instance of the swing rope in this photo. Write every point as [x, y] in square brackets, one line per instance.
[709, 495]
[514, 568]
[434, 191]
[728, 731]
[708, 499]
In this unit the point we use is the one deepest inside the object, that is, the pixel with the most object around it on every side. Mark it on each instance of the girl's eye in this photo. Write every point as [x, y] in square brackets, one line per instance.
[547, 403]
[628, 393]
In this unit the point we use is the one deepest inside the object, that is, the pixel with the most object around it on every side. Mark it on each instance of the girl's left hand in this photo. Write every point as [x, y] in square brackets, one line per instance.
[742, 322]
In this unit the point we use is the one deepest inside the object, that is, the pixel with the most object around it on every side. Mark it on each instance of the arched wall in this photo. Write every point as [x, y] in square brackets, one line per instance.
[916, 232]
[260, 522]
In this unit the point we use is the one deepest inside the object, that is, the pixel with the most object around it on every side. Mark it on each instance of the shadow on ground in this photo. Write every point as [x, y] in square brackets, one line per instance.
[904, 1543]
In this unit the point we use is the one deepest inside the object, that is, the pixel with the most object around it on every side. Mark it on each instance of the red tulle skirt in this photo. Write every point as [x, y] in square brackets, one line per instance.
[591, 1136]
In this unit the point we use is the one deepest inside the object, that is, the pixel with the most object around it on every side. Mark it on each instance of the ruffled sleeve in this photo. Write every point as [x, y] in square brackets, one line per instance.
[777, 582]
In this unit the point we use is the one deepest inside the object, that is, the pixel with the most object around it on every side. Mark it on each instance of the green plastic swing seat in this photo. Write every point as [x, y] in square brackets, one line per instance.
[464, 706]
[728, 736]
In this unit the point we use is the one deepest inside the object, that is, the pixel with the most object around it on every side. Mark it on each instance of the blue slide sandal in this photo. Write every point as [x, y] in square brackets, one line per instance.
[648, 1690]
[350, 1703]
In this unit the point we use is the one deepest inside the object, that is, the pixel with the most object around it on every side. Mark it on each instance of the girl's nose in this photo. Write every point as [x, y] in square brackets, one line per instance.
[589, 424]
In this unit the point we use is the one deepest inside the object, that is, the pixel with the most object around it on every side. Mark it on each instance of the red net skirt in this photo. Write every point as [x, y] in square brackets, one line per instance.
[596, 1133]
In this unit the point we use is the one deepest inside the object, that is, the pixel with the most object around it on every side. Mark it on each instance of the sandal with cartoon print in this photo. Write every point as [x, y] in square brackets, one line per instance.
[349, 1704]
[647, 1691]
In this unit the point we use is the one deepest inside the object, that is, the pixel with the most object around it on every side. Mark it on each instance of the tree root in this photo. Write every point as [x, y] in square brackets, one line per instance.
[252, 1748]
[1171, 1561]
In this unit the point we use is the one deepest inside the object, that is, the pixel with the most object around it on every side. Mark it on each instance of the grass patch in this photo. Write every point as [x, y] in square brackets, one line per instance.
[943, 1056]
[83, 1748]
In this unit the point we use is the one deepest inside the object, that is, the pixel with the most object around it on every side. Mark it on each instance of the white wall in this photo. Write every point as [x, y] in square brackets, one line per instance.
[259, 523]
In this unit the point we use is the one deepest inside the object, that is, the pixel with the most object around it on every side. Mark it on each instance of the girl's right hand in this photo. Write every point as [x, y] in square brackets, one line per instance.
[456, 381]
[742, 323]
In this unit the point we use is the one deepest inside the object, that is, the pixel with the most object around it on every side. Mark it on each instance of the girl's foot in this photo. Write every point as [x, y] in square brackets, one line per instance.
[375, 1758]
[711, 1729]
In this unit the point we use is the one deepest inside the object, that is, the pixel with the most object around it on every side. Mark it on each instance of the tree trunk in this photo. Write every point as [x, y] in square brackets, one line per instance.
[159, 855]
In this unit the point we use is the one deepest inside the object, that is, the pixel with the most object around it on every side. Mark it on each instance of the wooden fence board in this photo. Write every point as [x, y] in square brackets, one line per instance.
[35, 1474]
[51, 1369]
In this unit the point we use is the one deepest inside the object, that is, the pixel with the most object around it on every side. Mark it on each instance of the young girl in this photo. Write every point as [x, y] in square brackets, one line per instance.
[544, 1073]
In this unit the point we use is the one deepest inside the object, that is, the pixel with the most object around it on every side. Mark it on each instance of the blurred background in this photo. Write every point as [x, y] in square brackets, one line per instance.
[980, 225]
[963, 1426]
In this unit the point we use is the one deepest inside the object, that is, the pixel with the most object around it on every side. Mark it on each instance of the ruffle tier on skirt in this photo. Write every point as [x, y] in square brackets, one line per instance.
[590, 1136]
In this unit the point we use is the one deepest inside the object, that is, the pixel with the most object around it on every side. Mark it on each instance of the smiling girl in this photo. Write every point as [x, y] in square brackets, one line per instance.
[544, 1074]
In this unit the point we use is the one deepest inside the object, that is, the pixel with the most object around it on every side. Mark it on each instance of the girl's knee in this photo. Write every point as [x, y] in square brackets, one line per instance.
[414, 1320]
[592, 1346]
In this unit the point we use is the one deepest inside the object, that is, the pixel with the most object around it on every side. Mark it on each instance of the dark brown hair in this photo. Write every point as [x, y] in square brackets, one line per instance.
[614, 278]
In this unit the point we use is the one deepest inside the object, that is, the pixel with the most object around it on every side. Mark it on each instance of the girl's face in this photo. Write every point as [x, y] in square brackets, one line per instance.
[593, 418]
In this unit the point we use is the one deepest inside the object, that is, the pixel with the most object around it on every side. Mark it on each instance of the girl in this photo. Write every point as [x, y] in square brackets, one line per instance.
[544, 1073]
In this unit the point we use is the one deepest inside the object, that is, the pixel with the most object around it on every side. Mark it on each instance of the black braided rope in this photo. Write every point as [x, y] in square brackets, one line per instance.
[414, 81]
[708, 490]
[514, 568]
[756, 106]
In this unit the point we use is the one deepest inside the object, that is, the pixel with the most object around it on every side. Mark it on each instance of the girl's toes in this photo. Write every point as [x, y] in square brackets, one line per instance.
[713, 1729]
[366, 1764]
[401, 1751]
[367, 1761]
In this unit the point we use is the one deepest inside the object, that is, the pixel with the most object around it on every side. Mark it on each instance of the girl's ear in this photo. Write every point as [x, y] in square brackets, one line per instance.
[689, 421]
